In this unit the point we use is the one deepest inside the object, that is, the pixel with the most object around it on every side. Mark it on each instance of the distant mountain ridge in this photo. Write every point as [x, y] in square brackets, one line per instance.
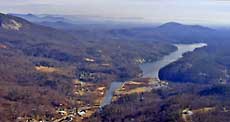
[40, 18]
[98, 57]
[77, 21]
[48, 20]
[175, 25]
[172, 32]
[169, 32]
[187, 33]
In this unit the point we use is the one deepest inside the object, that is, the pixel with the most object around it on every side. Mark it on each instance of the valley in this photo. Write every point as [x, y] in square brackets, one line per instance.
[54, 70]
[151, 70]
[42, 64]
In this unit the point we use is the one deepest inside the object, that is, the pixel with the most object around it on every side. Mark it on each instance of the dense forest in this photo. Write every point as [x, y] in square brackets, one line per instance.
[206, 65]
[199, 82]
[41, 68]
[38, 65]
[209, 103]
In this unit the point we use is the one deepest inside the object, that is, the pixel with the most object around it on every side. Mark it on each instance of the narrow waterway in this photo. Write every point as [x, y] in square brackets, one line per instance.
[109, 94]
[152, 69]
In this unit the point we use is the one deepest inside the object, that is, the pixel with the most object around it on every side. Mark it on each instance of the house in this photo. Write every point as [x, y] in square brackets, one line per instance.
[81, 112]
[187, 112]
[89, 60]
[63, 113]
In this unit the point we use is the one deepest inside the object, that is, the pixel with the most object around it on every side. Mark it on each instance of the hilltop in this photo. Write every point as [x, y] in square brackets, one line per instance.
[39, 66]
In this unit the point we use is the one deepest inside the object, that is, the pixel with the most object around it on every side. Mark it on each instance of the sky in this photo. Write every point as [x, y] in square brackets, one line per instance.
[154, 11]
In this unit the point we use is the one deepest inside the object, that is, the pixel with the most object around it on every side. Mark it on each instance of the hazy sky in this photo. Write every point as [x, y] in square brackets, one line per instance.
[187, 11]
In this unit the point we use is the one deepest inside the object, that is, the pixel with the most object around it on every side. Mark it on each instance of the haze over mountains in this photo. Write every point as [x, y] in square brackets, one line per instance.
[170, 31]
[52, 63]
[40, 63]
[73, 21]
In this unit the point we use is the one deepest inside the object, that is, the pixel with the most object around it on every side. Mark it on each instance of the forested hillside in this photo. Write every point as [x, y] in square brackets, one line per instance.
[39, 64]
[206, 65]
[207, 103]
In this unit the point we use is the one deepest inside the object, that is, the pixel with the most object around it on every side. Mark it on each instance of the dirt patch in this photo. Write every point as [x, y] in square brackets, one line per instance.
[46, 69]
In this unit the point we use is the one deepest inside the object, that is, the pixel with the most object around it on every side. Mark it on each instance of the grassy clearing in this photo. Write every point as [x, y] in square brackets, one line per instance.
[46, 69]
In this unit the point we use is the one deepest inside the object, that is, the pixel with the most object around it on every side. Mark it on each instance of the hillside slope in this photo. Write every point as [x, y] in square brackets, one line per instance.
[39, 64]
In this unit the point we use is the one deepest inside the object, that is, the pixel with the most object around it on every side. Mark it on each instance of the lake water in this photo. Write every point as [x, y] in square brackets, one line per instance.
[151, 70]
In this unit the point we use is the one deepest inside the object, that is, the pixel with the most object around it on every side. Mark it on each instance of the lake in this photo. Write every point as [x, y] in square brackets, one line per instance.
[151, 70]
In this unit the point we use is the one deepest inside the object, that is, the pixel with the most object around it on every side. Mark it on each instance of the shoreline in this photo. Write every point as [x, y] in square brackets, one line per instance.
[151, 70]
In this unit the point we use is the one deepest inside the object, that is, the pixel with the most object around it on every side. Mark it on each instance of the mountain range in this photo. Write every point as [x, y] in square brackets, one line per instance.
[43, 59]
[39, 64]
